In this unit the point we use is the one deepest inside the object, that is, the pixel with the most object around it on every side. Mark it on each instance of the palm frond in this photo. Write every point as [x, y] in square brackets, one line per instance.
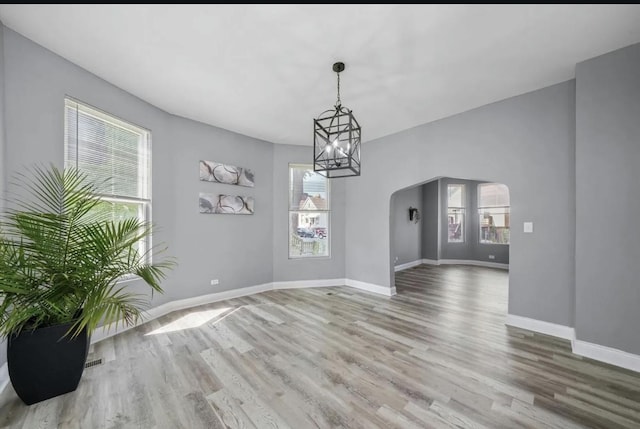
[61, 260]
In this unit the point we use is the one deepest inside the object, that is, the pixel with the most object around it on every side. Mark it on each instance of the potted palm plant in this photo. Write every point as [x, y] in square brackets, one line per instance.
[62, 262]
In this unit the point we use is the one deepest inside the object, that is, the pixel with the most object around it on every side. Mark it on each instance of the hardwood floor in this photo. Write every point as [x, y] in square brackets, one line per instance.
[437, 355]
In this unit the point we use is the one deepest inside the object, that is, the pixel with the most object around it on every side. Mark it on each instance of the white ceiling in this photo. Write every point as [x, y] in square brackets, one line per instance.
[265, 70]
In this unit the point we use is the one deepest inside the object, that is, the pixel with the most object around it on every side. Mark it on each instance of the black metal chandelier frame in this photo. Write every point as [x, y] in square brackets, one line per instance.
[336, 139]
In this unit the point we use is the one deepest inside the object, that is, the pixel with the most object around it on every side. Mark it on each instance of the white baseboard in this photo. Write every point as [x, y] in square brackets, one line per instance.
[370, 287]
[407, 265]
[583, 348]
[159, 311]
[607, 354]
[301, 284]
[4, 376]
[466, 262]
[169, 307]
[547, 328]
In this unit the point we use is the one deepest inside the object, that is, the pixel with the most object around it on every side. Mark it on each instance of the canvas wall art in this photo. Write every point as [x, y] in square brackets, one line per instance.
[211, 171]
[225, 204]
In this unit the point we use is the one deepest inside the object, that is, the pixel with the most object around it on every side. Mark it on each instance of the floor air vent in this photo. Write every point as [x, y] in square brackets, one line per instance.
[92, 363]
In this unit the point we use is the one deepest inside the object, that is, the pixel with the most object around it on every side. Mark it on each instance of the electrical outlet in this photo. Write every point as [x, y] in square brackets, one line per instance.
[492, 256]
[395, 261]
[215, 282]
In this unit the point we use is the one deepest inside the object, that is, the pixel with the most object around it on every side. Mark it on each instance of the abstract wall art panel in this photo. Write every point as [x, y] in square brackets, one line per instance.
[211, 171]
[225, 204]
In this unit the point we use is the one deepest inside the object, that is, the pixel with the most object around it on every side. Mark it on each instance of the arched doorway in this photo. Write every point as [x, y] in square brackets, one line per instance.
[461, 226]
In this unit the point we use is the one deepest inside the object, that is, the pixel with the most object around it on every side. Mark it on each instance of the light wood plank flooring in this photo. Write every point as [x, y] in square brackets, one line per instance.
[438, 355]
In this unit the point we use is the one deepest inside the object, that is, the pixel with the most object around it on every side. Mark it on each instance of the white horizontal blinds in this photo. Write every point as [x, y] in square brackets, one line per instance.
[456, 198]
[70, 136]
[493, 195]
[113, 153]
[307, 190]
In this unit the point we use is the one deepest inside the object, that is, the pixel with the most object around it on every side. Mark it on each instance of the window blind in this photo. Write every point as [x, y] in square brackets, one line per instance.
[493, 195]
[113, 153]
[116, 156]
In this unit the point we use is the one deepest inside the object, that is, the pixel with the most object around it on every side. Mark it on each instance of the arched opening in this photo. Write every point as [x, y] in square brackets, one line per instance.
[452, 235]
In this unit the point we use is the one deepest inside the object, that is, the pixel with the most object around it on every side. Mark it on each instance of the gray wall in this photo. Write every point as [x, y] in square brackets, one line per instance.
[471, 249]
[36, 82]
[526, 142]
[406, 243]
[607, 200]
[233, 249]
[2, 113]
[3, 347]
[430, 221]
[285, 269]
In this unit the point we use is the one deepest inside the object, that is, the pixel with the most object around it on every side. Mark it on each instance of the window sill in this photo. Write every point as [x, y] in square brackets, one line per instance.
[128, 279]
[304, 258]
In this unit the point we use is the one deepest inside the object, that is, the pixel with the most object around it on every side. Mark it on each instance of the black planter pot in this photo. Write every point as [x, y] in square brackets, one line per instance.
[44, 363]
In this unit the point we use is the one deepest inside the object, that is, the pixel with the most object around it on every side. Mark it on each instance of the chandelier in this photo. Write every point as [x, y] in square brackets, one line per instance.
[336, 139]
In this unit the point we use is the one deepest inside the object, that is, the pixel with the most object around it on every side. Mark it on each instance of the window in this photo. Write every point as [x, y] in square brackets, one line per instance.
[116, 156]
[309, 213]
[455, 213]
[493, 210]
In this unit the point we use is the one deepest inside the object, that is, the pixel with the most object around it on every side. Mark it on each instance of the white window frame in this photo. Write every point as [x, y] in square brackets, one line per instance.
[145, 211]
[481, 215]
[291, 211]
[462, 210]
